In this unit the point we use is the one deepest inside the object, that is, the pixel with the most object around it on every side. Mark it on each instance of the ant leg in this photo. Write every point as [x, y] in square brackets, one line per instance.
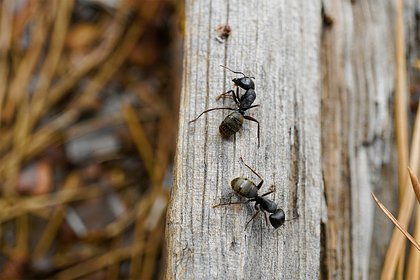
[253, 106]
[271, 190]
[250, 168]
[230, 203]
[226, 94]
[258, 123]
[223, 95]
[230, 93]
[258, 211]
[267, 193]
[253, 171]
[209, 110]
[295, 217]
[265, 217]
[237, 97]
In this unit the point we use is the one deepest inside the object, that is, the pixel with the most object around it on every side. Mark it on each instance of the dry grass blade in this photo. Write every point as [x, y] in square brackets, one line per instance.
[66, 69]
[395, 221]
[22, 225]
[136, 259]
[114, 269]
[57, 92]
[415, 183]
[24, 205]
[166, 131]
[93, 60]
[53, 57]
[5, 41]
[139, 137]
[54, 221]
[401, 114]
[98, 263]
[406, 208]
[153, 241]
[413, 267]
[20, 82]
[39, 140]
[118, 226]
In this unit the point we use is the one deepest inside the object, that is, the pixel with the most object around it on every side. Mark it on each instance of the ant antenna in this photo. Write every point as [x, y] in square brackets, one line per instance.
[236, 72]
[294, 218]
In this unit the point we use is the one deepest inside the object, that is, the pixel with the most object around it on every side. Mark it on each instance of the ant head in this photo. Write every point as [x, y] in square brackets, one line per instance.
[245, 82]
[278, 218]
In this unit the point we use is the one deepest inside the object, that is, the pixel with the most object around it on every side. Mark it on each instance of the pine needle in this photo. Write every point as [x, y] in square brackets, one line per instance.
[396, 223]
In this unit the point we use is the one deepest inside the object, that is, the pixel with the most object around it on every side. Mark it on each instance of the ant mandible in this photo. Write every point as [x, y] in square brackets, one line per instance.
[233, 122]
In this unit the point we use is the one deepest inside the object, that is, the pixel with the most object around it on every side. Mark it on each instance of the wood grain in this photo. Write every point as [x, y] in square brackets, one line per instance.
[358, 141]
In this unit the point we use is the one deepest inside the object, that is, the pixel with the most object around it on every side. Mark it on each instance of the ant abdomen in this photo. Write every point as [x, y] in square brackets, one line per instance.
[231, 124]
[244, 187]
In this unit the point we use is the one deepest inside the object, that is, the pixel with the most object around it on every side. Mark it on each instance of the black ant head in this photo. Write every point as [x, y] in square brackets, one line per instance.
[278, 218]
[245, 82]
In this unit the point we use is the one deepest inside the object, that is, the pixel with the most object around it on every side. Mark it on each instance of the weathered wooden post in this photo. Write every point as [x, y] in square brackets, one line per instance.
[277, 42]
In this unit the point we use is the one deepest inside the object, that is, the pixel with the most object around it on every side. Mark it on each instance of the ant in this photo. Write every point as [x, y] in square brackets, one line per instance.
[247, 188]
[233, 122]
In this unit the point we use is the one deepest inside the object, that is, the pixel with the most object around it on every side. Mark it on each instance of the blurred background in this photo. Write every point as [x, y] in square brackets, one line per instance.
[89, 91]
